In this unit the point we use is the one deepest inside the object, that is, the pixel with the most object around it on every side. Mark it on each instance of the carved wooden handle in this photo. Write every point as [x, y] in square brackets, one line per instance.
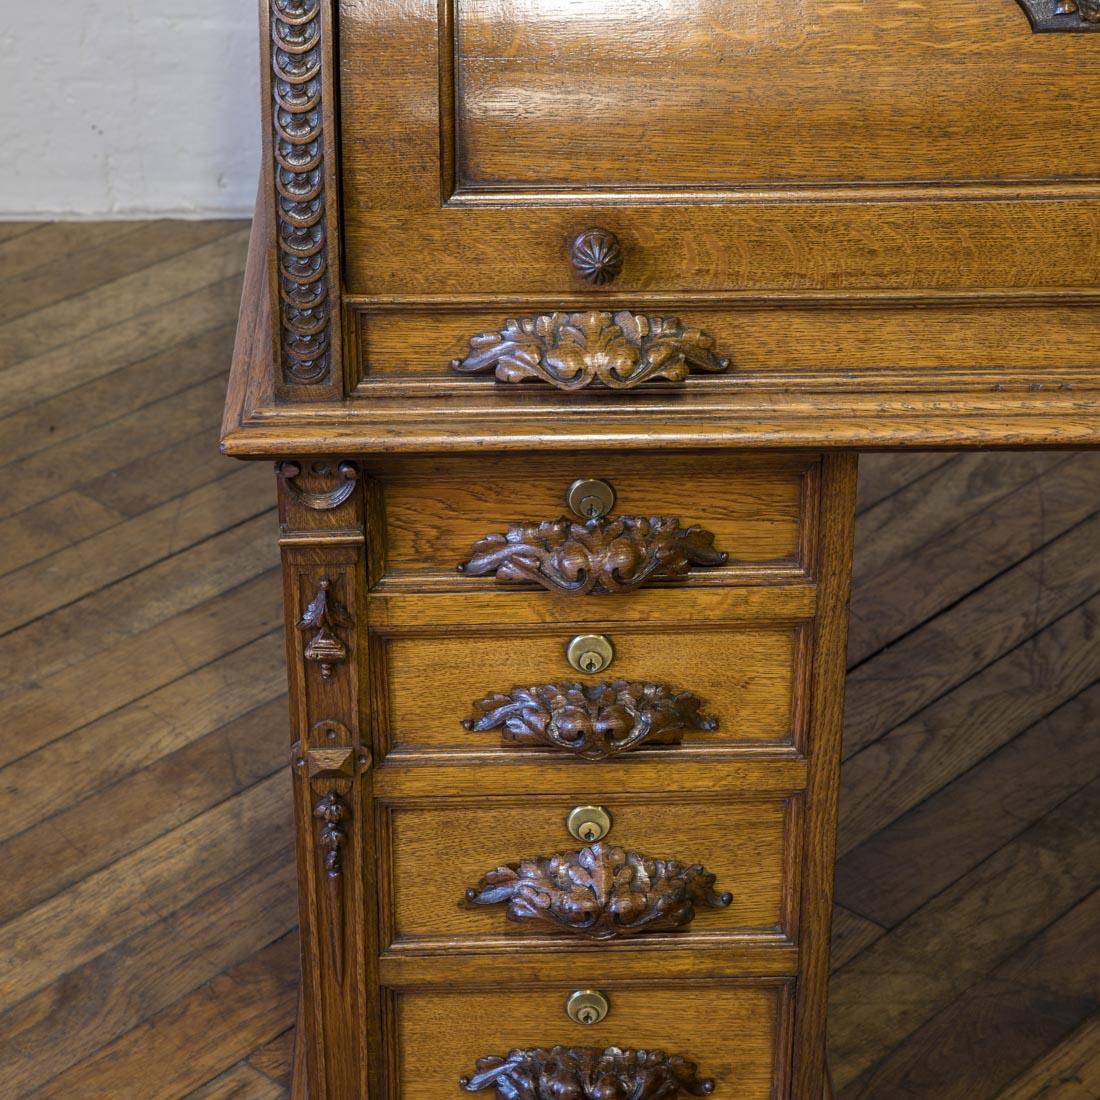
[1063, 15]
[601, 892]
[591, 721]
[599, 557]
[574, 350]
[588, 1073]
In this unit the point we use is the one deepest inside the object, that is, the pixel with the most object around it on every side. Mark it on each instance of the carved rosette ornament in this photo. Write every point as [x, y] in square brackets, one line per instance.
[298, 145]
[325, 615]
[574, 350]
[600, 557]
[588, 1073]
[591, 721]
[601, 892]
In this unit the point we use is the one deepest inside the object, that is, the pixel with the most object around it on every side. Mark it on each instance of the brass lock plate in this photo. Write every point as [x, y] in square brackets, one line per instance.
[587, 1007]
[590, 498]
[588, 824]
[590, 653]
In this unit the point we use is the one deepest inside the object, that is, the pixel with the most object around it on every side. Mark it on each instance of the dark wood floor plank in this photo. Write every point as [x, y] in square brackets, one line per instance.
[883, 475]
[77, 571]
[109, 498]
[1069, 1071]
[132, 247]
[275, 1059]
[897, 682]
[117, 344]
[104, 400]
[152, 801]
[217, 1026]
[901, 867]
[920, 756]
[78, 631]
[241, 1082]
[981, 1042]
[911, 589]
[884, 994]
[109, 446]
[139, 734]
[29, 246]
[84, 315]
[81, 923]
[163, 964]
[940, 501]
[136, 667]
[852, 934]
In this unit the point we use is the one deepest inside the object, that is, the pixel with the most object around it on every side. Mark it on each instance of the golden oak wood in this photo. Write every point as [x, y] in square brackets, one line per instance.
[502, 268]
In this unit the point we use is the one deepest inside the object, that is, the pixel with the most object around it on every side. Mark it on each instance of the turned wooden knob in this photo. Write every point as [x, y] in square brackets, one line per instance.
[597, 256]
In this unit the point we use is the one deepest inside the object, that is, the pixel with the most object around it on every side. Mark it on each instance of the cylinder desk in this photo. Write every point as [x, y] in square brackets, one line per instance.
[564, 324]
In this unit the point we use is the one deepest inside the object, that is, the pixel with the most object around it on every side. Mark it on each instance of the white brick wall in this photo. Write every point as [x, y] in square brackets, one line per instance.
[130, 108]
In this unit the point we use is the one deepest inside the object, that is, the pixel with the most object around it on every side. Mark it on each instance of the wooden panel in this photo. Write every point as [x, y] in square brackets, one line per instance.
[645, 93]
[751, 679]
[758, 510]
[732, 1032]
[745, 844]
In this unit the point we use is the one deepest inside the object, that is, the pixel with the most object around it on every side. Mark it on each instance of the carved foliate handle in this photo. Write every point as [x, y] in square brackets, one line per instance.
[1063, 15]
[601, 892]
[600, 557]
[588, 1073]
[574, 350]
[591, 721]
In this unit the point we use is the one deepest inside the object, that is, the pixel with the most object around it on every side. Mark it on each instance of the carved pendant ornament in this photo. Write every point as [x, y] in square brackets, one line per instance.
[600, 557]
[588, 1073]
[601, 892]
[298, 145]
[324, 500]
[331, 811]
[591, 721]
[574, 350]
[325, 616]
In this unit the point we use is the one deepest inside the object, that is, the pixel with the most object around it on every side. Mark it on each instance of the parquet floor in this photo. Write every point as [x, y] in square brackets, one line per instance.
[147, 917]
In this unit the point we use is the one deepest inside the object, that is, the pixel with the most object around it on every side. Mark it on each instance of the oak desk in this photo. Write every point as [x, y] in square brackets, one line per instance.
[564, 323]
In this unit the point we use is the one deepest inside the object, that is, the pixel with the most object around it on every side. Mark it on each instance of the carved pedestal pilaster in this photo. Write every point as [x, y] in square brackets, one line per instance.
[324, 576]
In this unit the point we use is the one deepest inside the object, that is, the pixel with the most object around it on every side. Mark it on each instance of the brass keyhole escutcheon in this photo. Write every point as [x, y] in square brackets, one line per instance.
[587, 1006]
[590, 498]
[590, 653]
[588, 823]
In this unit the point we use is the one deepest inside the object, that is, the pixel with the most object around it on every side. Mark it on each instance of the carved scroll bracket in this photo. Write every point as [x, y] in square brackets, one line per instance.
[574, 350]
[591, 721]
[600, 557]
[601, 892]
[588, 1073]
[345, 479]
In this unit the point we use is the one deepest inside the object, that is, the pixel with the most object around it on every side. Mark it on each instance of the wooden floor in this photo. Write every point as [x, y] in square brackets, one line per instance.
[147, 915]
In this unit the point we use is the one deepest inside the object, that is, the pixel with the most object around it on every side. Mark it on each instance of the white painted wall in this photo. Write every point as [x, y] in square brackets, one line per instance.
[130, 108]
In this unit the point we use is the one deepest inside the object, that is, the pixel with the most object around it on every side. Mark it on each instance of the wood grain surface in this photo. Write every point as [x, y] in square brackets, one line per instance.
[152, 843]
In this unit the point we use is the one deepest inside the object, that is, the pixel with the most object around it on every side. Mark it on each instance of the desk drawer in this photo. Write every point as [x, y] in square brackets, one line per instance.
[758, 513]
[511, 689]
[733, 1035]
[482, 874]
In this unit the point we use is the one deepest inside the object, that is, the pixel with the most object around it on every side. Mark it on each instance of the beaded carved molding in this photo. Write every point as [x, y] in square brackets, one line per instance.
[601, 892]
[298, 145]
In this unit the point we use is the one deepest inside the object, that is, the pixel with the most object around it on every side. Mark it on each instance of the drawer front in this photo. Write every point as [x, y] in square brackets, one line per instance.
[759, 512]
[512, 690]
[441, 867]
[734, 1034]
[503, 131]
